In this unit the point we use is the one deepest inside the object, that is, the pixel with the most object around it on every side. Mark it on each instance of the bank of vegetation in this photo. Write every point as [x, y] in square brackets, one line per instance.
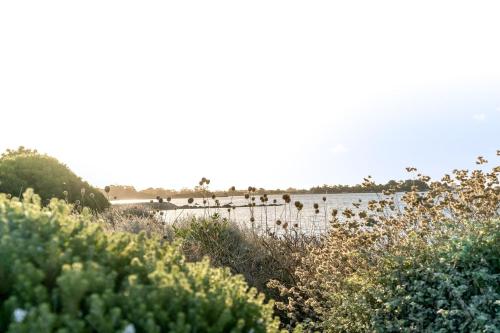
[432, 266]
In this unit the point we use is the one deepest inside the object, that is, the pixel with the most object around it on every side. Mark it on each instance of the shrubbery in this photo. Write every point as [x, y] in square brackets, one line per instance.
[259, 258]
[23, 168]
[428, 265]
[451, 285]
[63, 272]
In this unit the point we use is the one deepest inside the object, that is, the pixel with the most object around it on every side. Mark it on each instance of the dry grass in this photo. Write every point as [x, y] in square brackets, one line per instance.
[362, 241]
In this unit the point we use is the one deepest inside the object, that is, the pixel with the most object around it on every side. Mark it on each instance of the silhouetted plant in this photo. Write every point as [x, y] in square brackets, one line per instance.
[24, 168]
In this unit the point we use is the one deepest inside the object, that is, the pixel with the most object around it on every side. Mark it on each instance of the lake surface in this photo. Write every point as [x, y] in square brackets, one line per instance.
[265, 217]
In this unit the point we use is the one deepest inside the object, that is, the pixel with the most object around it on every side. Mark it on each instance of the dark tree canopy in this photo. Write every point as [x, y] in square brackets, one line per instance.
[24, 168]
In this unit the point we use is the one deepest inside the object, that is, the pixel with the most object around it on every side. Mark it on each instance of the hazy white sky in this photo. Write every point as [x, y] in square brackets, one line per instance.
[263, 93]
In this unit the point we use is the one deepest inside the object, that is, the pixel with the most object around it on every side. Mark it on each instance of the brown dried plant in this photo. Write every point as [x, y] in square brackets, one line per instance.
[358, 241]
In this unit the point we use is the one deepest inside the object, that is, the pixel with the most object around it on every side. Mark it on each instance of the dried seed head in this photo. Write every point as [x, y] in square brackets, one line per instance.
[190, 200]
[287, 198]
[316, 206]
[107, 189]
[481, 160]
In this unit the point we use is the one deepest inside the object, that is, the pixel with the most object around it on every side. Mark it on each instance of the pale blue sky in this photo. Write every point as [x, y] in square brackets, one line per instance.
[264, 93]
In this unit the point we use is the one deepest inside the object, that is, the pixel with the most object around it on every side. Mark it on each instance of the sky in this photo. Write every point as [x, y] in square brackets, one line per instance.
[264, 93]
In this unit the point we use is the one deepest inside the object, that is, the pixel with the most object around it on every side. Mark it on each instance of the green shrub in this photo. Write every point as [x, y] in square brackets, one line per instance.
[61, 272]
[24, 168]
[451, 285]
[259, 258]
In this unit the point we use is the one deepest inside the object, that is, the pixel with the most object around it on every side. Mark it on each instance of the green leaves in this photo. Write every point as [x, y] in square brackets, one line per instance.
[449, 285]
[23, 169]
[65, 273]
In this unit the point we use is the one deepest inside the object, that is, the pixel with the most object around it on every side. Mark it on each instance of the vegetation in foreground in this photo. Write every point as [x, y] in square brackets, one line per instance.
[61, 272]
[432, 265]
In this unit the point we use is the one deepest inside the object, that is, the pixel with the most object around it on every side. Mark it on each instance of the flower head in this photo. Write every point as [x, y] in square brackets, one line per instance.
[19, 315]
[130, 328]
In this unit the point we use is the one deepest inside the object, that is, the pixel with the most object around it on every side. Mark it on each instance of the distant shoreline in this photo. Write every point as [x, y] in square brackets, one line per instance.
[124, 192]
[171, 206]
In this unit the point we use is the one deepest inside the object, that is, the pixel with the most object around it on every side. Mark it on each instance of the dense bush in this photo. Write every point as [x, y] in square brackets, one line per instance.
[24, 168]
[258, 258]
[426, 263]
[60, 272]
[452, 285]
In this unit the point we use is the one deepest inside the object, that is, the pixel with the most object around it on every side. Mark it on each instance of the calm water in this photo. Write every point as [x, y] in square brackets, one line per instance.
[307, 221]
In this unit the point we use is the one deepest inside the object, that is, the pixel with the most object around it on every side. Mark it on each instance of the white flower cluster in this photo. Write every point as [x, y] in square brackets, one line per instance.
[19, 315]
[130, 328]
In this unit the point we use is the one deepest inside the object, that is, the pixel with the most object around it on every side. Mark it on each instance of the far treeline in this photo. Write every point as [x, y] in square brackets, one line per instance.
[129, 192]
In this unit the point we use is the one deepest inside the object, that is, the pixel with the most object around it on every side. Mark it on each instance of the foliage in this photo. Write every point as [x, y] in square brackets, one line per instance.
[337, 287]
[258, 257]
[23, 168]
[61, 272]
[455, 287]
[135, 219]
[452, 285]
